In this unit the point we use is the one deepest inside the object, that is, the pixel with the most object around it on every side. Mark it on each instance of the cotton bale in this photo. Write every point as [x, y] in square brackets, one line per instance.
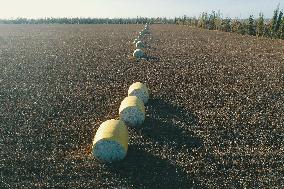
[139, 45]
[132, 111]
[111, 141]
[139, 90]
[138, 53]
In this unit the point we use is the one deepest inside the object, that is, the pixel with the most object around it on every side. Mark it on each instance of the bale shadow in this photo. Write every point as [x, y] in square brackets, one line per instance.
[152, 58]
[170, 125]
[141, 169]
[167, 126]
[147, 46]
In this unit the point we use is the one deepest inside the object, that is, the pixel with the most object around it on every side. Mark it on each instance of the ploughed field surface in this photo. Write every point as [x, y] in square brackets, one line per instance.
[215, 117]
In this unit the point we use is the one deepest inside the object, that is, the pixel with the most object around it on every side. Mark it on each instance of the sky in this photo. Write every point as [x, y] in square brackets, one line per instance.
[134, 8]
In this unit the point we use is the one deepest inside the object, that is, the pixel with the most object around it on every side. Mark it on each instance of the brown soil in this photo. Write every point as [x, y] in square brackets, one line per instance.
[214, 120]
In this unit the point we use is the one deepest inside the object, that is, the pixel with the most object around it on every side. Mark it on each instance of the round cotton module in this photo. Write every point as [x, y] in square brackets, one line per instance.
[132, 111]
[139, 90]
[139, 45]
[111, 141]
[138, 53]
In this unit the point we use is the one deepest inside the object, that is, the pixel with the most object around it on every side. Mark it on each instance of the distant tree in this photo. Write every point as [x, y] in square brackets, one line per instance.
[238, 27]
[218, 23]
[281, 35]
[267, 31]
[226, 25]
[175, 20]
[184, 20]
[274, 21]
[260, 25]
[203, 20]
[211, 21]
[251, 26]
[278, 24]
[194, 22]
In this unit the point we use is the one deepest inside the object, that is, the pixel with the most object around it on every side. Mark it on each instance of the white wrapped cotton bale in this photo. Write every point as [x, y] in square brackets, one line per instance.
[132, 111]
[139, 45]
[111, 141]
[138, 53]
[139, 90]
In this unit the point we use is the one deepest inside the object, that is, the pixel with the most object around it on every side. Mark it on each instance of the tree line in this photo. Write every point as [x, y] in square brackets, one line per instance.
[261, 27]
[138, 20]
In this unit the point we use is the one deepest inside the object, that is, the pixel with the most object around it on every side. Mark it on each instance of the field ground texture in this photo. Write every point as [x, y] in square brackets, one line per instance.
[215, 117]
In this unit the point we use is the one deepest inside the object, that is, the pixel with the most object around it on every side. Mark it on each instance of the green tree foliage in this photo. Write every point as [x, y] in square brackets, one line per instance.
[266, 31]
[274, 21]
[260, 26]
[184, 20]
[203, 20]
[138, 20]
[251, 26]
[211, 23]
[281, 35]
[256, 27]
[238, 27]
[226, 25]
[278, 24]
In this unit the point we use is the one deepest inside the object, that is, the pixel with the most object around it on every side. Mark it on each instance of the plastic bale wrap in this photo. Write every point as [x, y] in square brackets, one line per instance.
[139, 45]
[132, 111]
[135, 41]
[111, 141]
[139, 90]
[138, 53]
[140, 35]
[145, 31]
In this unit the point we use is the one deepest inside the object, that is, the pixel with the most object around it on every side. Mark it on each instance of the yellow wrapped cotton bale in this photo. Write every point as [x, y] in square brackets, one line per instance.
[139, 90]
[132, 111]
[111, 141]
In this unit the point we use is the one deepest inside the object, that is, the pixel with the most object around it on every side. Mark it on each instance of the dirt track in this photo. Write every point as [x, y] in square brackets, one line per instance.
[215, 117]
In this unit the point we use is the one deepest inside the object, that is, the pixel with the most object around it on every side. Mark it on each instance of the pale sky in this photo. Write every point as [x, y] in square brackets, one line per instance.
[133, 8]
